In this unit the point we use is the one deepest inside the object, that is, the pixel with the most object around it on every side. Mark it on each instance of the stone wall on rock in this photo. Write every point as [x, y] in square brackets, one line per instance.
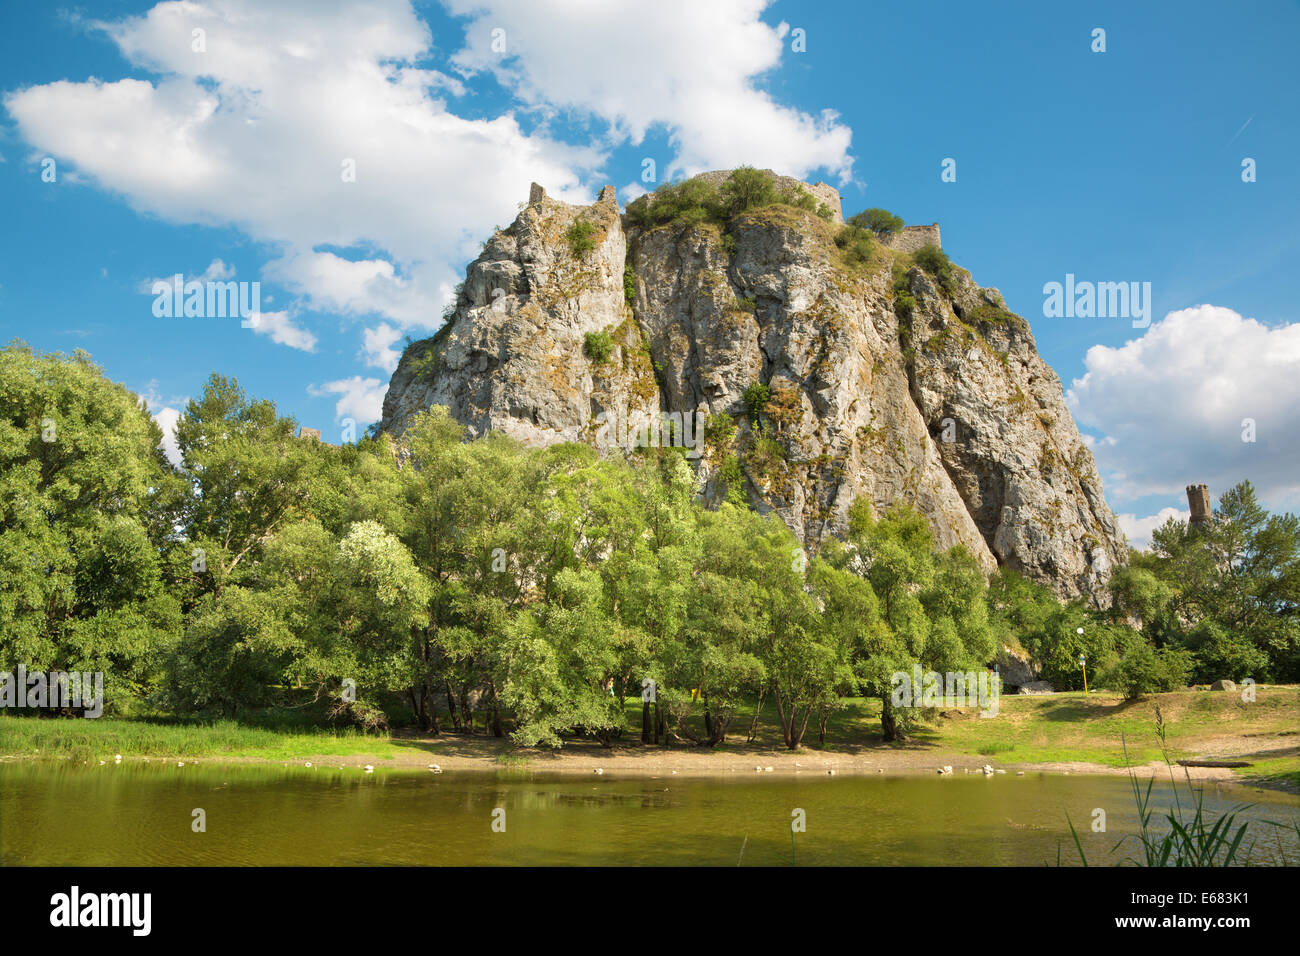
[911, 238]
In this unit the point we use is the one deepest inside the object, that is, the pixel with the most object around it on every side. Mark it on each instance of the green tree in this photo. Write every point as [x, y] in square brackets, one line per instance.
[87, 502]
[747, 188]
[249, 475]
[1142, 669]
[1241, 573]
[882, 222]
[933, 606]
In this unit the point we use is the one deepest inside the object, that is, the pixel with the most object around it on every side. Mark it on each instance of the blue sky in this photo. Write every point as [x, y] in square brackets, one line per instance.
[1123, 165]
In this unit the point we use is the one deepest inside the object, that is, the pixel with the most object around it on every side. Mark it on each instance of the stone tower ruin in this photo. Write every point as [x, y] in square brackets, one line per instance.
[1198, 500]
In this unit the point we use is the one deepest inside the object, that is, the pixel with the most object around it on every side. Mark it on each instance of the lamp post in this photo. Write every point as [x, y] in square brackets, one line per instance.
[1083, 662]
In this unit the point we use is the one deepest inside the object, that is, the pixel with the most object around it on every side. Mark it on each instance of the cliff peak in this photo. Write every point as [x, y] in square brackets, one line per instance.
[804, 364]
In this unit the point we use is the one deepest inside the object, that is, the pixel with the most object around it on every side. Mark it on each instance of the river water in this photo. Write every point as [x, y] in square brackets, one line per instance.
[141, 814]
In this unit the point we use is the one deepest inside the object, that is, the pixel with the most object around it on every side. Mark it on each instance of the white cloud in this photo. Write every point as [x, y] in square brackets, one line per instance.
[379, 349]
[1170, 406]
[165, 412]
[330, 283]
[217, 271]
[362, 398]
[166, 419]
[691, 67]
[279, 326]
[253, 133]
[1138, 530]
[632, 191]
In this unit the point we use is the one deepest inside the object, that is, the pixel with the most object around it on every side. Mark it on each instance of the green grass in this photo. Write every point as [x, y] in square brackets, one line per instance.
[102, 738]
[1279, 772]
[1068, 727]
[1059, 728]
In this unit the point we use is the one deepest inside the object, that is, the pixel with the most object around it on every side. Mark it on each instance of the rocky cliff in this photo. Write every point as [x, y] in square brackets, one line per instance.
[820, 372]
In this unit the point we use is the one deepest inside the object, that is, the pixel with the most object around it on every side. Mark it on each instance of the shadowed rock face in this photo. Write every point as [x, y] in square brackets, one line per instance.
[945, 405]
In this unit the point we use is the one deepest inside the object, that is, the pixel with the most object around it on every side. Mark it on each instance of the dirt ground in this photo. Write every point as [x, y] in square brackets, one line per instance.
[460, 753]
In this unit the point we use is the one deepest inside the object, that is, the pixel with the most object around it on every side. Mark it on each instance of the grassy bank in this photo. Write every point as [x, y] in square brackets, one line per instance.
[1048, 731]
[80, 739]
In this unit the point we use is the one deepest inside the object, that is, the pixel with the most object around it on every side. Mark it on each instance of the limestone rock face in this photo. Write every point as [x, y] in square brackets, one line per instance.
[883, 381]
[1015, 454]
[512, 357]
[1016, 667]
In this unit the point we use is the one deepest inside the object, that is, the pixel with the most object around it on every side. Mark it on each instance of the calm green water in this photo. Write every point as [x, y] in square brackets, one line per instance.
[58, 814]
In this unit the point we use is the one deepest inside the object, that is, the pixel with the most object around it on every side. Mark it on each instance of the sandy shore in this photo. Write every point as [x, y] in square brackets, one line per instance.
[485, 754]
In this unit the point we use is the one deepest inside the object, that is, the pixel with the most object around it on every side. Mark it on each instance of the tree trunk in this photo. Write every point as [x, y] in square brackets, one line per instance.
[889, 721]
[432, 709]
[758, 709]
[647, 730]
[451, 707]
[467, 712]
[719, 732]
[789, 732]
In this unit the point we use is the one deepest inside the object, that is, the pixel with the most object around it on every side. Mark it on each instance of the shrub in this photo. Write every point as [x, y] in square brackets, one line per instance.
[985, 314]
[1145, 670]
[765, 454]
[747, 188]
[799, 198]
[856, 244]
[598, 346]
[693, 200]
[904, 301]
[580, 238]
[629, 284]
[1224, 655]
[756, 398]
[719, 431]
[936, 262]
[733, 476]
[882, 222]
